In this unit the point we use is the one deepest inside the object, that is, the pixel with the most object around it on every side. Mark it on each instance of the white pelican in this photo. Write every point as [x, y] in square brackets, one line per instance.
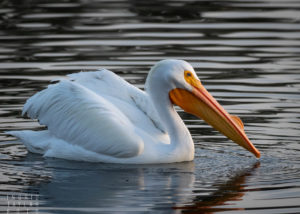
[98, 116]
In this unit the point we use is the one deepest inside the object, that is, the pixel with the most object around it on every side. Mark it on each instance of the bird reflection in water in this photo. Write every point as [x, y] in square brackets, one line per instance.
[97, 187]
[232, 190]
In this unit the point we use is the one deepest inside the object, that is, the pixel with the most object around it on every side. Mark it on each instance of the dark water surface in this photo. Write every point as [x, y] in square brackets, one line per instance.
[247, 54]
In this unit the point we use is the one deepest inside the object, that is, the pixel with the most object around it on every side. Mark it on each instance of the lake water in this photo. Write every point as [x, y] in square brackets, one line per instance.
[247, 54]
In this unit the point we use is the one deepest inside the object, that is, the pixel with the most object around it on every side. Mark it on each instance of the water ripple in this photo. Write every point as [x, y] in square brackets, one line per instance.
[246, 54]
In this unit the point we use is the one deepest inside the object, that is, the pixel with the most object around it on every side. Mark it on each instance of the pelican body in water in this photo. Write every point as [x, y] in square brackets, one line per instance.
[98, 116]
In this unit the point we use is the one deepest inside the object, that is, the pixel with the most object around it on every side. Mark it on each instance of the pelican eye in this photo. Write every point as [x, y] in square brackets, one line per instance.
[188, 74]
[189, 77]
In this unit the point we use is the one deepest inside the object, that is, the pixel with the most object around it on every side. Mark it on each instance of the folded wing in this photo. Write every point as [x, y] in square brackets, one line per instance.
[79, 116]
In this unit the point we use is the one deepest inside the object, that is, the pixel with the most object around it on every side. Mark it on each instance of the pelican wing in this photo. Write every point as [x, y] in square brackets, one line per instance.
[79, 116]
[98, 111]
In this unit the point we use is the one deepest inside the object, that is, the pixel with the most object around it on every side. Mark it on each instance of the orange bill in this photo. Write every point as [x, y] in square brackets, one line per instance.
[201, 104]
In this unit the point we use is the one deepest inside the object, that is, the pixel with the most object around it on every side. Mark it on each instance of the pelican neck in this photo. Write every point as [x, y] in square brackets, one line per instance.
[175, 127]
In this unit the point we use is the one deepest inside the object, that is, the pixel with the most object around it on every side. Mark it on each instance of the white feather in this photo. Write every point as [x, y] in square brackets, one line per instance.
[79, 116]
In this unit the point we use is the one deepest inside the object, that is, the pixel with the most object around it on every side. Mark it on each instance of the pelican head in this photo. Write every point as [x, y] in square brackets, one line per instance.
[184, 88]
